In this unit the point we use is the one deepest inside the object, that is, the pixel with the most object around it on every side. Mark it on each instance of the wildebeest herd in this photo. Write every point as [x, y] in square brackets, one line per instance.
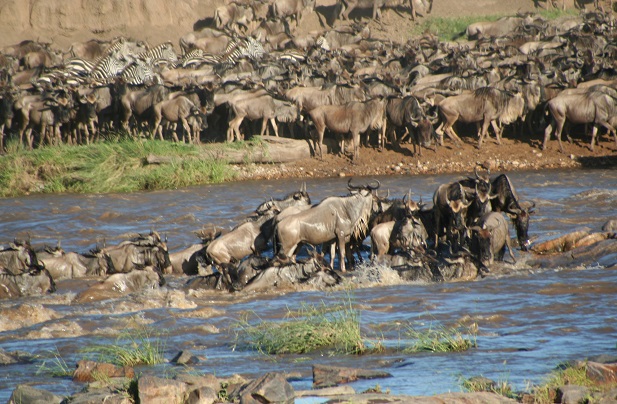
[523, 71]
[459, 237]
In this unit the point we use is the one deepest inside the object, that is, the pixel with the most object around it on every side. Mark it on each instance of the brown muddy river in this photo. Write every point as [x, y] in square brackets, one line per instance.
[528, 322]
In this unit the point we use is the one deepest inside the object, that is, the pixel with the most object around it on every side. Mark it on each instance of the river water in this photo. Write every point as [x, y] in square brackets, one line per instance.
[528, 322]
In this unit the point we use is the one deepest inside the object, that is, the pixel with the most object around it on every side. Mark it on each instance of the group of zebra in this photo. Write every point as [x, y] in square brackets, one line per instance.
[137, 64]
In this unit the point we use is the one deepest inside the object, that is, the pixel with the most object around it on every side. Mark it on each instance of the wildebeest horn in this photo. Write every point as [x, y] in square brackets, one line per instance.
[372, 188]
[350, 187]
[166, 237]
[475, 171]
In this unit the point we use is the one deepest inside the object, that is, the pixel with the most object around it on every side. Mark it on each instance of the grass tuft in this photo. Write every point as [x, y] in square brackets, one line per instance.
[139, 345]
[479, 384]
[54, 366]
[311, 328]
[440, 338]
[567, 375]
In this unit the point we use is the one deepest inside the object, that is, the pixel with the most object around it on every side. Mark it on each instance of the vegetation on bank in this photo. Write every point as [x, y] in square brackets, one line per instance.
[450, 29]
[117, 164]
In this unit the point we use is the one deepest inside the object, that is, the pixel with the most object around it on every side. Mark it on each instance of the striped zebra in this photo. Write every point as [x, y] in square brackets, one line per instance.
[198, 57]
[108, 67]
[163, 51]
[248, 47]
[78, 67]
[137, 73]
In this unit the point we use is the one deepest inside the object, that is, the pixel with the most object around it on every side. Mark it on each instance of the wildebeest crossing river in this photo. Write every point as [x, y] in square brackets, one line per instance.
[528, 321]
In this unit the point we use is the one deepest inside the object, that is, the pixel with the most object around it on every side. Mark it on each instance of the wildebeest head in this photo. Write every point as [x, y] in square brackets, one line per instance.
[297, 198]
[104, 263]
[37, 281]
[18, 256]
[520, 220]
[482, 242]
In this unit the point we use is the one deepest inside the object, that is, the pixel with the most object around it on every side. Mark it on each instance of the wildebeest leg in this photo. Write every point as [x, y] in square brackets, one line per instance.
[275, 127]
[497, 130]
[341, 250]
[186, 128]
[452, 134]
[558, 130]
[547, 133]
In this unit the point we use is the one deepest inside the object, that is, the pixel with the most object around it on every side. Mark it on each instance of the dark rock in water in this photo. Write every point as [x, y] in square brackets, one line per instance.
[28, 394]
[610, 225]
[572, 394]
[14, 357]
[185, 358]
[270, 388]
[328, 376]
[88, 371]
[102, 395]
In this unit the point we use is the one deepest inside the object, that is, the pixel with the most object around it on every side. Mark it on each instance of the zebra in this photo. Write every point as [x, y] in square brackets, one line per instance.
[197, 57]
[248, 47]
[163, 51]
[108, 67]
[79, 67]
[137, 73]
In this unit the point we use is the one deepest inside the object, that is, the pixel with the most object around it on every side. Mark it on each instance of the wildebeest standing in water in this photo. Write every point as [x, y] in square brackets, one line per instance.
[17, 256]
[335, 219]
[491, 237]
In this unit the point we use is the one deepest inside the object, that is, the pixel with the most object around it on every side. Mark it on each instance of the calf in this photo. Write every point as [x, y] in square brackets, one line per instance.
[176, 110]
[450, 210]
[490, 238]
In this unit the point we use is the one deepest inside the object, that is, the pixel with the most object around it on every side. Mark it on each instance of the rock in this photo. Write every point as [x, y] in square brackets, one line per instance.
[270, 388]
[185, 358]
[14, 357]
[100, 396]
[202, 395]
[197, 382]
[327, 376]
[610, 225]
[327, 392]
[156, 390]
[602, 372]
[608, 397]
[89, 371]
[28, 394]
[449, 398]
[572, 394]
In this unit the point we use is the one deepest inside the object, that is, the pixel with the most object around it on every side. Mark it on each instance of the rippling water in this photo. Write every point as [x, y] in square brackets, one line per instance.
[528, 322]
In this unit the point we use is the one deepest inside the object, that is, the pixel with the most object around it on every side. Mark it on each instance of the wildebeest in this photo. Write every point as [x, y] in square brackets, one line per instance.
[250, 237]
[595, 106]
[345, 7]
[280, 9]
[116, 285]
[501, 27]
[352, 118]
[487, 105]
[73, 265]
[6, 114]
[178, 109]
[405, 234]
[449, 211]
[296, 198]
[477, 190]
[17, 256]
[333, 219]
[188, 261]
[505, 199]
[313, 271]
[490, 238]
[266, 108]
[33, 281]
[406, 113]
[233, 16]
[140, 251]
[308, 98]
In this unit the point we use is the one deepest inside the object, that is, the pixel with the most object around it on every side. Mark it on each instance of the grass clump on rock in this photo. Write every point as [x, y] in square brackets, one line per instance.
[311, 328]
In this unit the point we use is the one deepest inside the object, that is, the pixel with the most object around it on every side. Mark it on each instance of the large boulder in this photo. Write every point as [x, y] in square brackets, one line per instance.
[28, 394]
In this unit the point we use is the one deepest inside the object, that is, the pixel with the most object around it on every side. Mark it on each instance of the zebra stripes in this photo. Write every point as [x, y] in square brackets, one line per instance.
[110, 66]
[137, 73]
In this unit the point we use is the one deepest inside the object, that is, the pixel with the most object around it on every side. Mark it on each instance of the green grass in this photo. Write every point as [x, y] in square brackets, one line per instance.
[565, 375]
[479, 384]
[55, 366]
[311, 328]
[449, 29]
[116, 165]
[138, 345]
[439, 338]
